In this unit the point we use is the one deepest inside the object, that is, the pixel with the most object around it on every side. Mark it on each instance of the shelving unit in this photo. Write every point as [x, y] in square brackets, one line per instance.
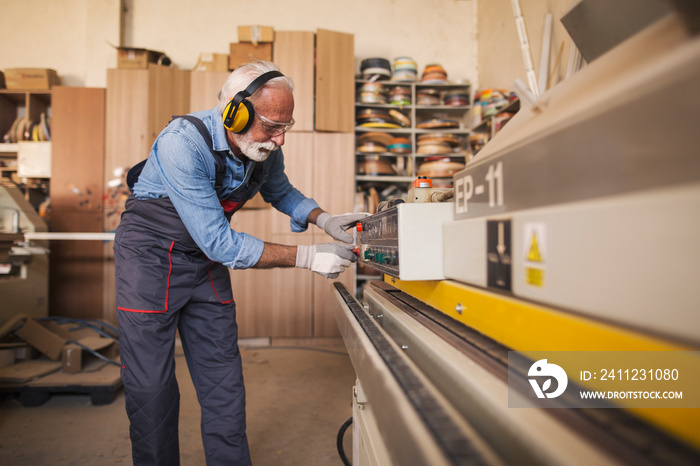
[16, 103]
[407, 165]
[491, 124]
[372, 188]
[8, 155]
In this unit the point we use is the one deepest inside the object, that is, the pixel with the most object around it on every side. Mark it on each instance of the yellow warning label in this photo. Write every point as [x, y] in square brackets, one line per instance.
[534, 276]
[534, 254]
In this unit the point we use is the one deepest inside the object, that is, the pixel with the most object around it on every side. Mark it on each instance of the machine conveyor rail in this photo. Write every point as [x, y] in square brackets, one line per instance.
[469, 373]
[616, 431]
[456, 446]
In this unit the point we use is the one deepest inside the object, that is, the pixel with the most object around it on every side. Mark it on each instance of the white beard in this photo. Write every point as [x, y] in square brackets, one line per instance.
[256, 151]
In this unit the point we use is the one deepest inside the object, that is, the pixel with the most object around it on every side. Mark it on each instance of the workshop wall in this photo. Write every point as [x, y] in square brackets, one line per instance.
[70, 35]
[500, 55]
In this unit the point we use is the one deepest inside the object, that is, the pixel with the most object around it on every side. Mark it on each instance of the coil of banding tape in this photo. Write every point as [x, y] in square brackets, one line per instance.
[374, 87]
[372, 147]
[371, 98]
[437, 123]
[434, 73]
[380, 138]
[375, 63]
[440, 167]
[400, 146]
[405, 63]
[456, 98]
[400, 95]
[434, 148]
[428, 96]
[380, 67]
[405, 69]
[439, 137]
[400, 118]
[375, 165]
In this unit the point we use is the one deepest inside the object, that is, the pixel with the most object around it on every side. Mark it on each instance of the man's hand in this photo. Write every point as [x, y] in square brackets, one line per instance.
[327, 259]
[335, 225]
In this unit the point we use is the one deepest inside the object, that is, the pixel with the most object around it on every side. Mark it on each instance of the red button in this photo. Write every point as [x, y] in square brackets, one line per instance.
[358, 226]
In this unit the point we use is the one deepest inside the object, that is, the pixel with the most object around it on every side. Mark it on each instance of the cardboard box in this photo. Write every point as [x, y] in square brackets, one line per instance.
[47, 338]
[136, 58]
[243, 53]
[212, 62]
[255, 34]
[75, 356]
[31, 78]
[34, 159]
[7, 357]
[57, 343]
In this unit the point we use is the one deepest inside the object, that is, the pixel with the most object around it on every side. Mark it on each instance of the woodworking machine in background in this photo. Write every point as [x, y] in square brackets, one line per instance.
[24, 270]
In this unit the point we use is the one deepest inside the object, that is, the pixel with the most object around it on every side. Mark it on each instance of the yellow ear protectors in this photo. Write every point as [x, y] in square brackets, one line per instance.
[239, 113]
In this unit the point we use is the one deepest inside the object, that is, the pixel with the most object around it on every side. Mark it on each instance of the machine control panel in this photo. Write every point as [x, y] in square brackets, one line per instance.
[405, 240]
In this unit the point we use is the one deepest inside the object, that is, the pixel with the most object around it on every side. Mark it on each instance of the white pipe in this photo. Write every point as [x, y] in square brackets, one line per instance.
[544, 54]
[69, 236]
[525, 47]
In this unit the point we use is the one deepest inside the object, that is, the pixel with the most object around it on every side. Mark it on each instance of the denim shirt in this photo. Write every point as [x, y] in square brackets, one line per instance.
[182, 168]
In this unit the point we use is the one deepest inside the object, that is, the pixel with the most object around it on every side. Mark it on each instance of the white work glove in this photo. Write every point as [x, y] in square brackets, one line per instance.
[335, 225]
[327, 259]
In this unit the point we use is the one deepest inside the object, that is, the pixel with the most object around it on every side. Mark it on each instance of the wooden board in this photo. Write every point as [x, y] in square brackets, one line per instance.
[325, 324]
[94, 374]
[292, 306]
[76, 278]
[334, 181]
[204, 89]
[140, 103]
[168, 95]
[334, 172]
[27, 370]
[293, 52]
[126, 137]
[100, 380]
[78, 148]
[298, 159]
[335, 81]
[109, 293]
[252, 291]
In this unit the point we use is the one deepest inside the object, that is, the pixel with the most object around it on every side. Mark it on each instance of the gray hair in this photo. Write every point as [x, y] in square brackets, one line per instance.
[245, 74]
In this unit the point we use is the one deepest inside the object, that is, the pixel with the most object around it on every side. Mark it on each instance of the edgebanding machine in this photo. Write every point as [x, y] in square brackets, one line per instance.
[575, 229]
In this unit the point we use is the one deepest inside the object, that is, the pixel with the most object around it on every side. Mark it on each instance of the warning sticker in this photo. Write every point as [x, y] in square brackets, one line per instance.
[535, 249]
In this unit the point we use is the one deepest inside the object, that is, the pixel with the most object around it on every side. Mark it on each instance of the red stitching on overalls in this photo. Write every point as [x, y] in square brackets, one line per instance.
[170, 271]
[139, 310]
[211, 279]
[167, 289]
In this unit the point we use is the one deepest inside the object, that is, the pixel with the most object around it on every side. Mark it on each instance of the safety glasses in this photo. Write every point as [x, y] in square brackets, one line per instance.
[274, 128]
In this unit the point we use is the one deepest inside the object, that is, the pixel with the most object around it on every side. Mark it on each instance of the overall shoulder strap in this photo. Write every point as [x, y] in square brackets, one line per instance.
[200, 126]
[219, 158]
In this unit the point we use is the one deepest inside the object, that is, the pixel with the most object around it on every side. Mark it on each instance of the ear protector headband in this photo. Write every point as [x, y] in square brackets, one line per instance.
[239, 113]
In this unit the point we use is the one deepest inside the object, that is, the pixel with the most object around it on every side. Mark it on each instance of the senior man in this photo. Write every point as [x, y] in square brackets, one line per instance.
[172, 250]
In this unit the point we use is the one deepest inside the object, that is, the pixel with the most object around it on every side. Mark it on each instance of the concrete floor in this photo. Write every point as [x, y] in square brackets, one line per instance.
[297, 399]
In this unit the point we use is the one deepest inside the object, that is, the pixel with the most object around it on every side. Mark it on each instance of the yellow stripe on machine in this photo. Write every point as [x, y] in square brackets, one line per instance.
[524, 326]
